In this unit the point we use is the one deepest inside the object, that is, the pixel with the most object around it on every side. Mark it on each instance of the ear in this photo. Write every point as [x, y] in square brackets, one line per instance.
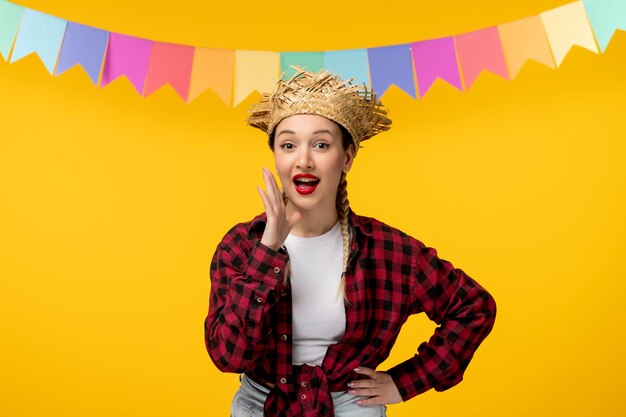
[349, 158]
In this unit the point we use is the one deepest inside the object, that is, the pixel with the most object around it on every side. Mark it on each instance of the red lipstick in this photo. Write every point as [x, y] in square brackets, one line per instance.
[305, 183]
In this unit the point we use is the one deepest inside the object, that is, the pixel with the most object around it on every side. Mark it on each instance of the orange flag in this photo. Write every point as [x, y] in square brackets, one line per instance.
[525, 39]
[213, 68]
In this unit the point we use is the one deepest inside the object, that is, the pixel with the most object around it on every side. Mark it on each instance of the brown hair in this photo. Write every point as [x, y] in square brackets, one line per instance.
[342, 204]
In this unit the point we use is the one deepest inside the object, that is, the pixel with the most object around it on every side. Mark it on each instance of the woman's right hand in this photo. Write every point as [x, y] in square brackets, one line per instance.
[278, 224]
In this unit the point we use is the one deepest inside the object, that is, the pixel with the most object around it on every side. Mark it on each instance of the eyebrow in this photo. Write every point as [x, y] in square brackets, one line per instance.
[315, 133]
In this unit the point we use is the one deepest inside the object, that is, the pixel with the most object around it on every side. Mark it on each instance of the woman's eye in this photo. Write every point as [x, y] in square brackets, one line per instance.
[287, 146]
[322, 145]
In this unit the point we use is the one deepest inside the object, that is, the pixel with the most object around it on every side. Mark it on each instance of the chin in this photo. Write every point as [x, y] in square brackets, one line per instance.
[303, 205]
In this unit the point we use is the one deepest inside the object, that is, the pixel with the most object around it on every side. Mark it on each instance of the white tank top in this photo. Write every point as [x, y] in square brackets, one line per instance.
[319, 317]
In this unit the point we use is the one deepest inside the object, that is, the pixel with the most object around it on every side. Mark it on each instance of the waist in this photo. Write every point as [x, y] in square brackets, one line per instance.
[338, 385]
[260, 381]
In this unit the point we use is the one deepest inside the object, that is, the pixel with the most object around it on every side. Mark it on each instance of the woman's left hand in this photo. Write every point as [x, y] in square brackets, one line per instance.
[379, 387]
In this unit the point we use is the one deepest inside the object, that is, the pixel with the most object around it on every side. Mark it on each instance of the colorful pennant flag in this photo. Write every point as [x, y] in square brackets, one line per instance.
[311, 61]
[10, 16]
[213, 68]
[522, 40]
[42, 34]
[351, 63]
[169, 63]
[434, 59]
[391, 65]
[606, 16]
[234, 74]
[129, 56]
[480, 50]
[567, 26]
[255, 70]
[85, 46]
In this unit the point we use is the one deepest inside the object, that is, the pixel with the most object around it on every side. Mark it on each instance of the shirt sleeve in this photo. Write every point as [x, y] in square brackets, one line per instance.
[465, 313]
[243, 291]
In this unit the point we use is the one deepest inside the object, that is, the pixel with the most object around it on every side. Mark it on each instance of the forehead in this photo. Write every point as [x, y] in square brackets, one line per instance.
[307, 124]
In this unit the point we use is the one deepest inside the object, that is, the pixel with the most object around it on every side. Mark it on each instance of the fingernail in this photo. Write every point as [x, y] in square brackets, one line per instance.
[350, 384]
[356, 369]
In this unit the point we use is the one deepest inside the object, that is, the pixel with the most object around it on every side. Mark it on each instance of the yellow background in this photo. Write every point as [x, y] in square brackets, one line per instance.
[111, 206]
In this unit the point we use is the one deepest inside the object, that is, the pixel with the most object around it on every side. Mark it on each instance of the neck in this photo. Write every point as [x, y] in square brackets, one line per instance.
[313, 223]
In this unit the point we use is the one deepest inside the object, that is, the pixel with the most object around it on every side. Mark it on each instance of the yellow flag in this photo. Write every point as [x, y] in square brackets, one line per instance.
[255, 70]
[567, 26]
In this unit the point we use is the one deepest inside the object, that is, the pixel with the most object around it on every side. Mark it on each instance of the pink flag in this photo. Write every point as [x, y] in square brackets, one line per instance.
[435, 58]
[127, 55]
[170, 63]
[480, 50]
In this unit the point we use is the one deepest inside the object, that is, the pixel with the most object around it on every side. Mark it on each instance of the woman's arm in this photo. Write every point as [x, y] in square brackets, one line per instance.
[243, 291]
[465, 312]
[243, 286]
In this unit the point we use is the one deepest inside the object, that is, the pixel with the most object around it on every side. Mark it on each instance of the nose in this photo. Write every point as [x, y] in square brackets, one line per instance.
[305, 160]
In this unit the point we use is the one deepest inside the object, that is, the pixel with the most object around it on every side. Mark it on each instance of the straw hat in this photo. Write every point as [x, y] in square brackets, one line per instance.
[324, 94]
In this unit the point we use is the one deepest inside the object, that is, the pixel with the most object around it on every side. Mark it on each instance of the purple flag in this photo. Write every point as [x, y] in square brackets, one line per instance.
[127, 55]
[83, 45]
[435, 58]
[391, 65]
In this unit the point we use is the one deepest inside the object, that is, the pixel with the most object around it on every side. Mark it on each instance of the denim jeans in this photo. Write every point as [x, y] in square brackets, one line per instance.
[250, 397]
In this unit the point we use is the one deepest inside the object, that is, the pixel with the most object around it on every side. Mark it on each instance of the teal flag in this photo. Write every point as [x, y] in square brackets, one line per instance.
[10, 16]
[605, 17]
[311, 61]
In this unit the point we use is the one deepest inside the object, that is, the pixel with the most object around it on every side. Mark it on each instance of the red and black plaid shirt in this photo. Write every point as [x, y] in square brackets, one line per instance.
[390, 276]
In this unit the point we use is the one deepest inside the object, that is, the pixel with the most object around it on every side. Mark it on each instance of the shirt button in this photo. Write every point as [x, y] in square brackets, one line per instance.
[283, 337]
[276, 269]
[303, 383]
[303, 397]
[283, 293]
[259, 299]
[283, 380]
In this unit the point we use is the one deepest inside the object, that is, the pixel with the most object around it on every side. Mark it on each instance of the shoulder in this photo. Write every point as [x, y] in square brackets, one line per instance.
[379, 232]
[375, 227]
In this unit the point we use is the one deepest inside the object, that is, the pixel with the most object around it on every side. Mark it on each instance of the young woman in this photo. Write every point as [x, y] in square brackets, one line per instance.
[308, 298]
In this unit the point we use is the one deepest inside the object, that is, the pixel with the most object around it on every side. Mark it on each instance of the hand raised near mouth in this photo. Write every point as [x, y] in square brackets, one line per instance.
[278, 224]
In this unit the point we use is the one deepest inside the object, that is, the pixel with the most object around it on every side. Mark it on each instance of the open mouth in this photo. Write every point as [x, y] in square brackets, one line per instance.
[305, 184]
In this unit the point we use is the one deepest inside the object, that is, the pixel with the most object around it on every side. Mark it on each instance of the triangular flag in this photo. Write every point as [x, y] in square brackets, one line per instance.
[83, 45]
[213, 68]
[129, 56]
[348, 64]
[522, 40]
[391, 65]
[310, 61]
[255, 70]
[567, 26]
[606, 16]
[170, 63]
[10, 16]
[435, 58]
[42, 34]
[480, 50]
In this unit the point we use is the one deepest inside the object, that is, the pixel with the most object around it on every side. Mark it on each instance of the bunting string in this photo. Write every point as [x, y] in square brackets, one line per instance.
[234, 74]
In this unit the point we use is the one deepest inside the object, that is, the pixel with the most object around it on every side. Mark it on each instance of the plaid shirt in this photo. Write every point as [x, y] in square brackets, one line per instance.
[390, 276]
